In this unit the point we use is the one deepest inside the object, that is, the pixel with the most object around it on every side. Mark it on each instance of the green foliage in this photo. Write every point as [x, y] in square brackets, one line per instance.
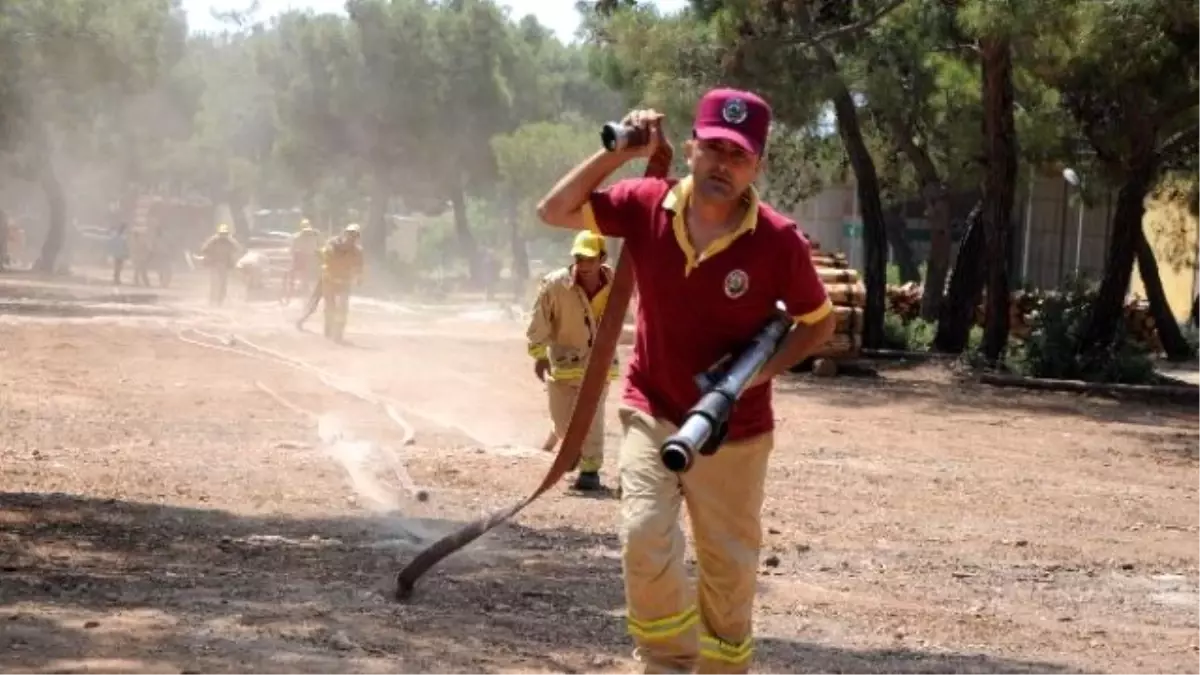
[893, 273]
[1053, 347]
[917, 335]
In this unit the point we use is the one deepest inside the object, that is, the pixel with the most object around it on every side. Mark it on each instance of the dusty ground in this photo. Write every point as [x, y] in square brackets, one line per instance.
[160, 512]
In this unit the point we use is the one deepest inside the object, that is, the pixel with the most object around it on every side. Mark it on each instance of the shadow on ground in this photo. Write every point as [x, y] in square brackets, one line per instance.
[133, 586]
[948, 396]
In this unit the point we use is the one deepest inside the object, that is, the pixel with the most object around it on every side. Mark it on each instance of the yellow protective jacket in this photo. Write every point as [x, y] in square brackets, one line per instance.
[306, 242]
[221, 250]
[564, 324]
[341, 261]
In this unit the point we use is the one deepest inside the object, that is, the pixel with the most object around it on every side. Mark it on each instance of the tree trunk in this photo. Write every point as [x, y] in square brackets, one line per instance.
[1102, 326]
[937, 211]
[966, 286]
[237, 213]
[520, 254]
[1173, 343]
[376, 228]
[875, 242]
[902, 253]
[1000, 138]
[56, 201]
[467, 247]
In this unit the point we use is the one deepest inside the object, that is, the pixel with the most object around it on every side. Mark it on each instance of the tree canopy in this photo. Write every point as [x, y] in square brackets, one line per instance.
[454, 109]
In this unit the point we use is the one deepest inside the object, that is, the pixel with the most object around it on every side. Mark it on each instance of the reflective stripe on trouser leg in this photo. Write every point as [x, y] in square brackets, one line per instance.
[724, 495]
[661, 613]
[561, 395]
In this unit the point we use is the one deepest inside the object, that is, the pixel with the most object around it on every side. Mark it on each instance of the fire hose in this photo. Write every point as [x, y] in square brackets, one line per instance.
[587, 401]
[207, 340]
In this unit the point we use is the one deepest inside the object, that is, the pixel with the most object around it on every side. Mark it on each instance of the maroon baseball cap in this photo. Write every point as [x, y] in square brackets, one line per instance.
[733, 115]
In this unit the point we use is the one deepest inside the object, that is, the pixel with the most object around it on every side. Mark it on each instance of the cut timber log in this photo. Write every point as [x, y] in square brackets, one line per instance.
[1174, 392]
[840, 345]
[831, 275]
[849, 319]
[833, 261]
[848, 295]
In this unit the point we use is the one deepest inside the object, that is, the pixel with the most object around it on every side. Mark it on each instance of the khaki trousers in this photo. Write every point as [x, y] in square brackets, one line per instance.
[218, 281]
[724, 495]
[562, 396]
[337, 308]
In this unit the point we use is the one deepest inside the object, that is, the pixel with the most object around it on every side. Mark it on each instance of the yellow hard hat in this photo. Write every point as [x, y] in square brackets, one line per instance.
[305, 225]
[588, 244]
[353, 227]
[222, 229]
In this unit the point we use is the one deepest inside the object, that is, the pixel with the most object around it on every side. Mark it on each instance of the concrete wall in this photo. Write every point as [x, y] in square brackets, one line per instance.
[1048, 218]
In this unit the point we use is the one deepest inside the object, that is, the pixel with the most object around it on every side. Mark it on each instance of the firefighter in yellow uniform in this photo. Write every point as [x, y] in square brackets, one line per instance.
[341, 267]
[562, 329]
[220, 253]
[305, 249]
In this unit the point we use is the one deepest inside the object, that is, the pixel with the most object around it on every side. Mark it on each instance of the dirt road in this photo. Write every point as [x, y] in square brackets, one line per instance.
[168, 507]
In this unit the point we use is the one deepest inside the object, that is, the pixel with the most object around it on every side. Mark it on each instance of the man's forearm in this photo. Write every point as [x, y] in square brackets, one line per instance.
[561, 206]
[801, 342]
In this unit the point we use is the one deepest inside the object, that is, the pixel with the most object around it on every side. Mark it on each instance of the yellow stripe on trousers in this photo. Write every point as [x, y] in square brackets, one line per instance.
[666, 627]
[572, 374]
[729, 652]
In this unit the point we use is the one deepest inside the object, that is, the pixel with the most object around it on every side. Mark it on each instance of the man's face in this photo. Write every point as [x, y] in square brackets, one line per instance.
[588, 266]
[722, 170]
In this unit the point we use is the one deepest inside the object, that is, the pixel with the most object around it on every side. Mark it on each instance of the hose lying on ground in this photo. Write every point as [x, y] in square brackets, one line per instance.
[389, 407]
[409, 435]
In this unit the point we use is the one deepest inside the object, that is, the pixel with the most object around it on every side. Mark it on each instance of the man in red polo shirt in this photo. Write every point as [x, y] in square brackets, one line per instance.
[711, 261]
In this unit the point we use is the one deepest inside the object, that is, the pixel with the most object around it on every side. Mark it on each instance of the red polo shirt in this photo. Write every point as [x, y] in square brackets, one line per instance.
[694, 308]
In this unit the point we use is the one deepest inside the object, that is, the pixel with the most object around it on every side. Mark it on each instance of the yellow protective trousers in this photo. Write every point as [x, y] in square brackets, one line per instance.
[337, 308]
[218, 283]
[562, 394]
[724, 496]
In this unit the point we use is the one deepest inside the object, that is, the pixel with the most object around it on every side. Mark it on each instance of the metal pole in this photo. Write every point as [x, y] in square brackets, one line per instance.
[1028, 230]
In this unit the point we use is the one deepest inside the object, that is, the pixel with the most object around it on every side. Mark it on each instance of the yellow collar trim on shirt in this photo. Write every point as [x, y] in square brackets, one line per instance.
[676, 201]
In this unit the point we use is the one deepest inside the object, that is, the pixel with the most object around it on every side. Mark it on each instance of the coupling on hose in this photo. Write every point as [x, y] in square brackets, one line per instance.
[701, 433]
[616, 136]
[707, 423]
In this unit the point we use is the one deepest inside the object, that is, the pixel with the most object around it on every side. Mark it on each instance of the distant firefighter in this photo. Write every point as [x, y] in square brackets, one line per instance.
[306, 260]
[341, 267]
[220, 254]
[118, 250]
[562, 327]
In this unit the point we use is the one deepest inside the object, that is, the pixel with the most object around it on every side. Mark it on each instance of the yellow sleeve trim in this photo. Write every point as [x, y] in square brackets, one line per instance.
[816, 315]
[537, 351]
[589, 217]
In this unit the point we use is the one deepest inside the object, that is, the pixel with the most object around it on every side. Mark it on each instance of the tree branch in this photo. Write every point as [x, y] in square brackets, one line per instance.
[849, 29]
[1177, 144]
[1186, 103]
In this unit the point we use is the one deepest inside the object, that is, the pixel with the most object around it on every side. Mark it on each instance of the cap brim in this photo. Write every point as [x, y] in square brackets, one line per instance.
[716, 133]
[585, 252]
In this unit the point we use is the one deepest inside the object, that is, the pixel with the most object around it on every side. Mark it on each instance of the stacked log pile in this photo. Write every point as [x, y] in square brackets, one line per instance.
[905, 302]
[848, 295]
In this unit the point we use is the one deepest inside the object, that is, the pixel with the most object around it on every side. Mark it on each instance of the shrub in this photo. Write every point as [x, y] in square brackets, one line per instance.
[916, 335]
[1052, 349]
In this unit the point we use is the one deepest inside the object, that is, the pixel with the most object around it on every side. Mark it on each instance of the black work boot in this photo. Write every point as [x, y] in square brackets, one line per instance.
[588, 481]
